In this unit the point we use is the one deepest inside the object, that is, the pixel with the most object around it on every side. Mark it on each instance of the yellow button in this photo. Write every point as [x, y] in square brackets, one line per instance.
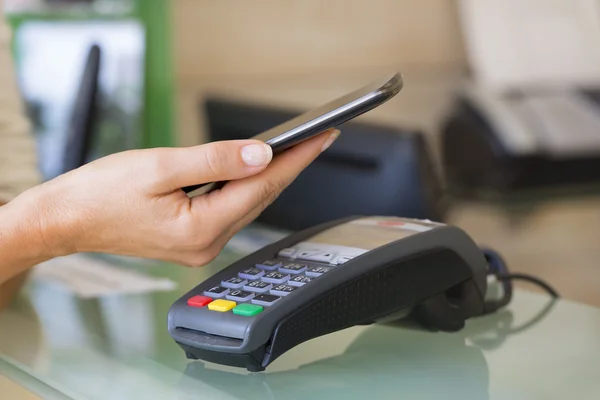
[221, 305]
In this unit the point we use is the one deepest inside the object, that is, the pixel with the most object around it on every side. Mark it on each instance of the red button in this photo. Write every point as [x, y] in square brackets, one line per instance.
[199, 301]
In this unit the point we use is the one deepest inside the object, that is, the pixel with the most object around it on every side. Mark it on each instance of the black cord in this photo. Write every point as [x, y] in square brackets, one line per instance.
[498, 268]
[529, 278]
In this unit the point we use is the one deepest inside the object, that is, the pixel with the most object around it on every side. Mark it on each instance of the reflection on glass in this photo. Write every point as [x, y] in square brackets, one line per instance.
[118, 324]
[384, 361]
[129, 322]
[397, 360]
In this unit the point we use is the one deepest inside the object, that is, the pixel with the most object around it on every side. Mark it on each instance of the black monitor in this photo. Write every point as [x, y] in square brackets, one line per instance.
[83, 116]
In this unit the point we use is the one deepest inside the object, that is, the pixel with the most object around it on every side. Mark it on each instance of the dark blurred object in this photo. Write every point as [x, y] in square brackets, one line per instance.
[83, 116]
[369, 170]
[593, 95]
[545, 153]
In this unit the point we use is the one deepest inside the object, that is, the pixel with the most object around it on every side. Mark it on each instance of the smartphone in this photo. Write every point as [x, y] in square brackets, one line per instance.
[311, 123]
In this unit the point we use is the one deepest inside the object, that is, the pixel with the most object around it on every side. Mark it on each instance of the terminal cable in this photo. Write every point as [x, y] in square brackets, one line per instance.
[531, 279]
[498, 271]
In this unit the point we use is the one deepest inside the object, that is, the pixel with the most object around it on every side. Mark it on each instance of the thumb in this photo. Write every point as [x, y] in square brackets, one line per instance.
[213, 162]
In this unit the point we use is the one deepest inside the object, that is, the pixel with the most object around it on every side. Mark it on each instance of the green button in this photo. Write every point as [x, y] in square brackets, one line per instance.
[247, 310]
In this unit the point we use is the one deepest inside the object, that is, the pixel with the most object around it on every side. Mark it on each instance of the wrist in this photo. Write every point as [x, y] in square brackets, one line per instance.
[19, 249]
[19, 233]
[35, 221]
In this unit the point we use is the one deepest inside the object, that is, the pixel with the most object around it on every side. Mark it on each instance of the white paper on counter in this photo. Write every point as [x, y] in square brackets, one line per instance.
[89, 277]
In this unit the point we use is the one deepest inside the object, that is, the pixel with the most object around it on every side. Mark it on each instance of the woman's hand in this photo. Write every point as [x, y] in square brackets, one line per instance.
[131, 203]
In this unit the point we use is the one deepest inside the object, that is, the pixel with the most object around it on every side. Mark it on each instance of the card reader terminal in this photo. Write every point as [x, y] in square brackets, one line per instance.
[349, 272]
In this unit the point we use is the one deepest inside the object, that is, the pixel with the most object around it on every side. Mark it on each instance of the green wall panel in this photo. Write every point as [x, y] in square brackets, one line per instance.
[159, 124]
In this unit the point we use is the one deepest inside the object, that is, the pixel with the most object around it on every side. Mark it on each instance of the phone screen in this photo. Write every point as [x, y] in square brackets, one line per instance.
[313, 122]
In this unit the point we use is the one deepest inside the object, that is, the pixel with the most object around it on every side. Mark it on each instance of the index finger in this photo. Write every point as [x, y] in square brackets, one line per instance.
[239, 198]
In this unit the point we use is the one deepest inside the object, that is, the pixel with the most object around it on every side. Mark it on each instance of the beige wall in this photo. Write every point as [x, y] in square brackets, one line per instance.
[274, 36]
[261, 46]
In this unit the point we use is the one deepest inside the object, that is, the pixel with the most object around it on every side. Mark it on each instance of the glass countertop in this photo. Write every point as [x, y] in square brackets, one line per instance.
[62, 346]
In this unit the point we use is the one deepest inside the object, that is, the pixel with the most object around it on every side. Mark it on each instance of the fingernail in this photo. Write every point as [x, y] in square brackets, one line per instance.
[257, 155]
[334, 135]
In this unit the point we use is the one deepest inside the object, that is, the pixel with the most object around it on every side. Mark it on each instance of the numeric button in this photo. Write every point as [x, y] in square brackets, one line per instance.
[251, 273]
[275, 277]
[240, 295]
[269, 265]
[293, 268]
[258, 287]
[299, 280]
[317, 271]
[234, 283]
[283, 290]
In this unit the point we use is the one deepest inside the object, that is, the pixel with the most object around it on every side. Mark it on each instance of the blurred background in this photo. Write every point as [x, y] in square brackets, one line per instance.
[497, 129]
